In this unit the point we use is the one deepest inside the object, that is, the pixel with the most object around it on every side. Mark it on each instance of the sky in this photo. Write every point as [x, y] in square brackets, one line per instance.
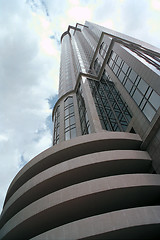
[30, 32]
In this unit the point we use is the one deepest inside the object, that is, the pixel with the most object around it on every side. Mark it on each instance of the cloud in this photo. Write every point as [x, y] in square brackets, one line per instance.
[29, 66]
[139, 19]
[79, 14]
[133, 16]
[28, 77]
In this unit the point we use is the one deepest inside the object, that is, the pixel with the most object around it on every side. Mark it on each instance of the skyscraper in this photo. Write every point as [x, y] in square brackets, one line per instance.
[100, 180]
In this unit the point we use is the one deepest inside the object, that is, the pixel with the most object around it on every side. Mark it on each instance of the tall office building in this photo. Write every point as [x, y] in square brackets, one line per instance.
[100, 180]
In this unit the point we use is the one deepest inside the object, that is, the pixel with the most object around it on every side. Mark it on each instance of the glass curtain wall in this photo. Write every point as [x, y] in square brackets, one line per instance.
[112, 110]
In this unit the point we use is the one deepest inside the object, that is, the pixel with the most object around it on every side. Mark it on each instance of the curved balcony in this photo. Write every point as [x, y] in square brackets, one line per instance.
[76, 147]
[83, 200]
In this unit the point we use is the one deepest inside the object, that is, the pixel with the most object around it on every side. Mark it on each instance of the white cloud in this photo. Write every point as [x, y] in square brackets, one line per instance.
[29, 65]
[79, 14]
[28, 77]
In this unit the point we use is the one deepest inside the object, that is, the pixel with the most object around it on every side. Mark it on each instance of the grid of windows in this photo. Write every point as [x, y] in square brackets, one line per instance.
[112, 110]
[85, 125]
[69, 119]
[66, 83]
[144, 96]
[56, 123]
[103, 50]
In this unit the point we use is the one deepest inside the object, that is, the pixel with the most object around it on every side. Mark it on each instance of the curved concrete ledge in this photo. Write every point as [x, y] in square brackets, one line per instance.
[80, 169]
[66, 150]
[136, 223]
[81, 201]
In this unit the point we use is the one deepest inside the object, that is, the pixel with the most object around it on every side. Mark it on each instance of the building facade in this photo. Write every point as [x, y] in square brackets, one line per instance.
[100, 180]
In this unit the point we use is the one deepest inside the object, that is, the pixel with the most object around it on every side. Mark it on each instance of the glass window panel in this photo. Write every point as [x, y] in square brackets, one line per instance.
[57, 130]
[115, 69]
[128, 116]
[155, 100]
[148, 92]
[66, 122]
[89, 129]
[119, 60]
[137, 80]
[142, 86]
[71, 109]
[124, 127]
[133, 88]
[67, 135]
[86, 117]
[66, 102]
[132, 75]
[110, 63]
[121, 76]
[70, 100]
[73, 132]
[113, 55]
[125, 67]
[83, 124]
[143, 103]
[72, 120]
[103, 125]
[128, 85]
[149, 112]
[66, 112]
[137, 96]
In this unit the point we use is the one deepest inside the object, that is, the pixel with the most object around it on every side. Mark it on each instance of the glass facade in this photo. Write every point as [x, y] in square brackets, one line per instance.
[103, 50]
[66, 68]
[97, 66]
[145, 97]
[56, 123]
[112, 110]
[69, 119]
[84, 121]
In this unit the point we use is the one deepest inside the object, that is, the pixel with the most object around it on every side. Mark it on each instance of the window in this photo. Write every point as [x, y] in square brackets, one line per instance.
[112, 110]
[144, 96]
[56, 123]
[69, 119]
[103, 49]
[155, 100]
[97, 65]
[84, 121]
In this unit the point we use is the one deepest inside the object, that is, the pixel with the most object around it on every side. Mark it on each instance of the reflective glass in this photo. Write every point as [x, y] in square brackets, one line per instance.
[128, 85]
[72, 120]
[66, 122]
[67, 135]
[119, 60]
[149, 112]
[71, 109]
[132, 91]
[155, 100]
[148, 92]
[132, 76]
[137, 96]
[113, 55]
[143, 103]
[115, 69]
[142, 86]
[125, 67]
[110, 63]
[121, 76]
[66, 112]
[73, 132]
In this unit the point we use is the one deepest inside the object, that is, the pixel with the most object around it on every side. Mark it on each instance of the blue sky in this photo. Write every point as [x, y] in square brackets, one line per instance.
[29, 65]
